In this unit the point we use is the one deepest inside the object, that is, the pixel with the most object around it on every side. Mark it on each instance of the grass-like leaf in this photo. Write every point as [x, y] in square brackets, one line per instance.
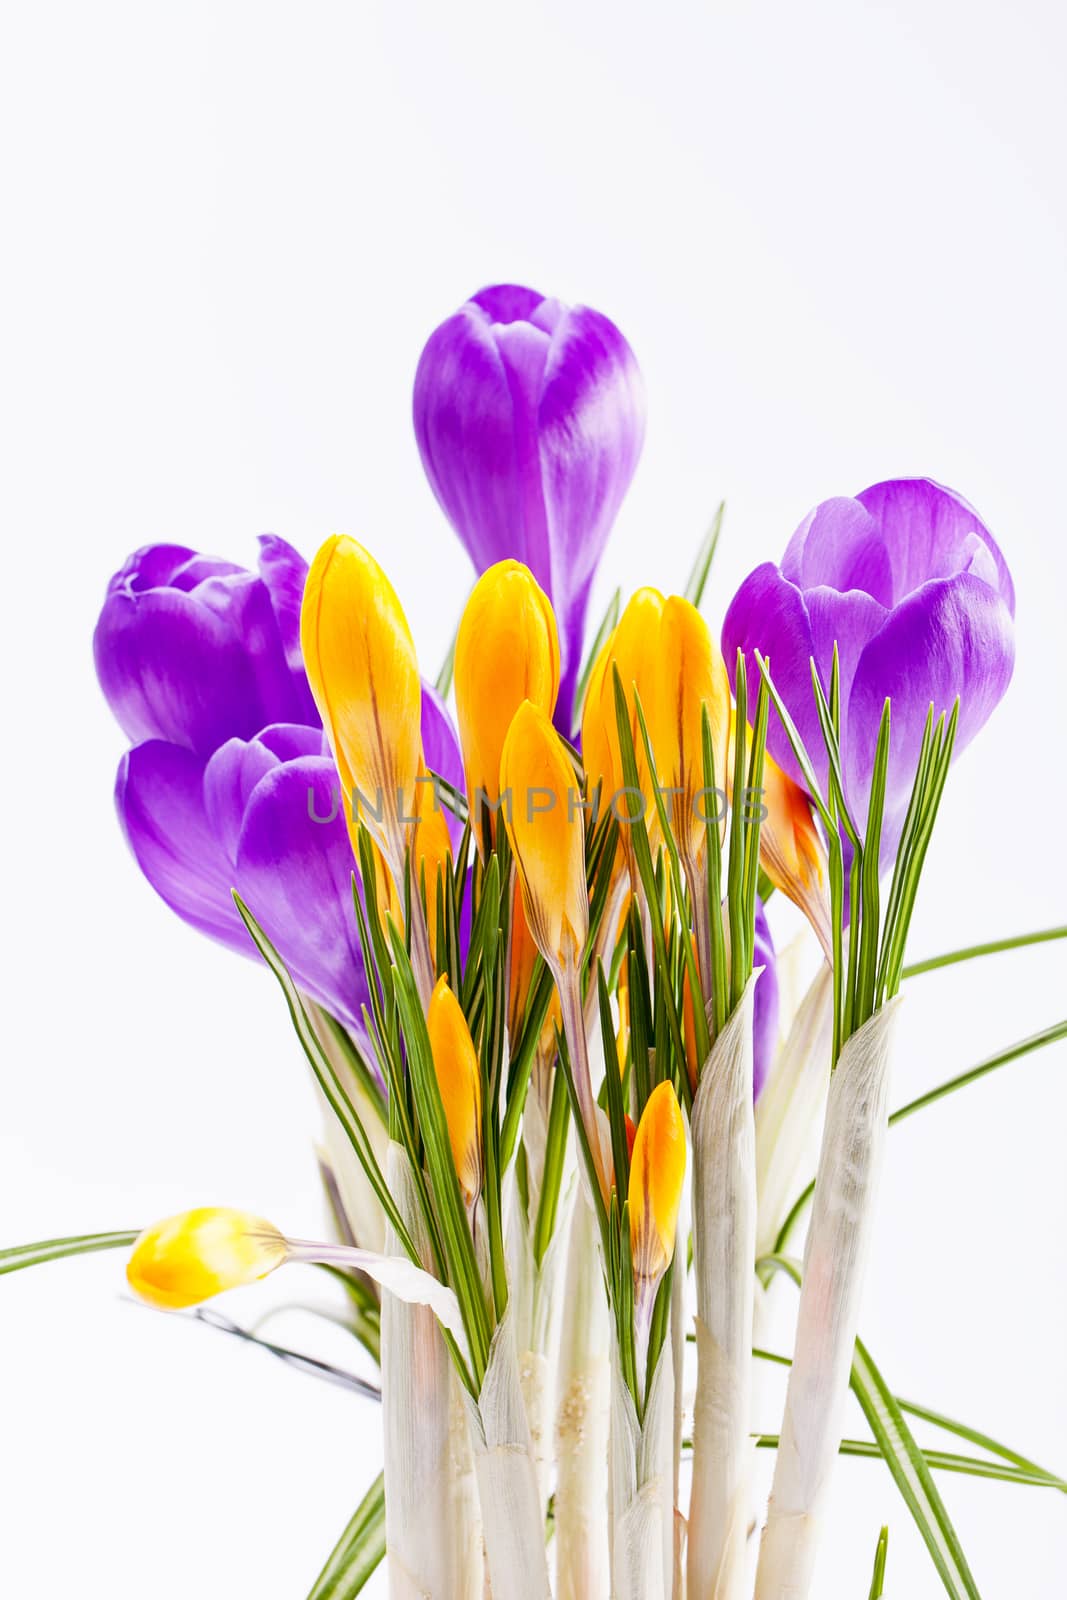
[358, 1551]
[878, 1575]
[698, 576]
[18, 1256]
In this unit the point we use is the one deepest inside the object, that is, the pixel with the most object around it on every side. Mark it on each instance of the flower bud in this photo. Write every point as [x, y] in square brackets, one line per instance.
[361, 665]
[632, 649]
[459, 1080]
[657, 1172]
[431, 851]
[791, 850]
[190, 1257]
[506, 652]
[546, 834]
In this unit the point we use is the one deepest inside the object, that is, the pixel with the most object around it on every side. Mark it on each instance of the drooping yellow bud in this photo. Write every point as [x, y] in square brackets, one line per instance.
[507, 651]
[360, 660]
[657, 1172]
[791, 850]
[691, 675]
[460, 1081]
[622, 1037]
[539, 790]
[190, 1257]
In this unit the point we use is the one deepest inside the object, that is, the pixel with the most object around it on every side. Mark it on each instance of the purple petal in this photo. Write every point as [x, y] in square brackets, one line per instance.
[159, 795]
[284, 571]
[193, 666]
[931, 532]
[838, 546]
[294, 872]
[765, 1003]
[235, 769]
[950, 637]
[440, 749]
[768, 614]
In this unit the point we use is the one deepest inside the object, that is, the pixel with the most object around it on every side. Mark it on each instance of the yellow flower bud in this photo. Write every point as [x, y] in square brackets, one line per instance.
[657, 1172]
[459, 1079]
[190, 1257]
[691, 675]
[791, 850]
[507, 651]
[545, 829]
[632, 650]
[361, 665]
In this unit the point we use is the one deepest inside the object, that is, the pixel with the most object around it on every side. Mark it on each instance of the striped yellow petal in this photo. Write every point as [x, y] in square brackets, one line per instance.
[657, 1172]
[691, 676]
[361, 665]
[190, 1257]
[539, 790]
[459, 1080]
[507, 651]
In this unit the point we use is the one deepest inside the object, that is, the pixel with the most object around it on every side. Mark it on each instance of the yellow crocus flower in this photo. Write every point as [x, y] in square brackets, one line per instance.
[459, 1080]
[691, 675]
[657, 1172]
[188, 1258]
[547, 835]
[360, 660]
[507, 651]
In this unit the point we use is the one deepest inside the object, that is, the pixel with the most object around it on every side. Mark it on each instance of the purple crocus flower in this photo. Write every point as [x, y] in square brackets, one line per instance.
[230, 784]
[529, 417]
[912, 587]
[195, 650]
[764, 1003]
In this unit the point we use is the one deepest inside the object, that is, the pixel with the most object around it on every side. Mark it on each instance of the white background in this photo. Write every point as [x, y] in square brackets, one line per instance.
[835, 236]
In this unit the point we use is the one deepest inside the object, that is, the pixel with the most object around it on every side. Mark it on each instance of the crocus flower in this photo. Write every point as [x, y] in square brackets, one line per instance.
[196, 651]
[506, 652]
[691, 680]
[912, 587]
[459, 1080]
[529, 417]
[657, 1172]
[361, 663]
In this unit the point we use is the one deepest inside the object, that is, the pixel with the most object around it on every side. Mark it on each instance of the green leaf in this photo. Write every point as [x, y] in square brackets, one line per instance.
[358, 1551]
[18, 1256]
[878, 1576]
[911, 1473]
[936, 1460]
[991, 948]
[698, 576]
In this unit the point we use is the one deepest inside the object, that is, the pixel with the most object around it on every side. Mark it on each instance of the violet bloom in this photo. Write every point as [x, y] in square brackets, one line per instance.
[912, 587]
[764, 1003]
[195, 650]
[231, 785]
[529, 417]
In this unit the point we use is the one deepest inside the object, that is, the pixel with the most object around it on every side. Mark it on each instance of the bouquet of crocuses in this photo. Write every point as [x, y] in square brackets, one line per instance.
[567, 1090]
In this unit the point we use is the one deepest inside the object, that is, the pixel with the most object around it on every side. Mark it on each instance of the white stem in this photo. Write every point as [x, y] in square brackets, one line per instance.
[724, 1243]
[583, 1570]
[835, 1261]
[512, 1515]
[642, 1486]
[431, 1546]
[790, 1108]
[570, 1000]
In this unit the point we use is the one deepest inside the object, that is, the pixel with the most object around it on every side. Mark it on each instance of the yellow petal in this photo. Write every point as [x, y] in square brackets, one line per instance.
[190, 1257]
[507, 651]
[459, 1079]
[657, 1172]
[597, 757]
[547, 835]
[361, 665]
[692, 675]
